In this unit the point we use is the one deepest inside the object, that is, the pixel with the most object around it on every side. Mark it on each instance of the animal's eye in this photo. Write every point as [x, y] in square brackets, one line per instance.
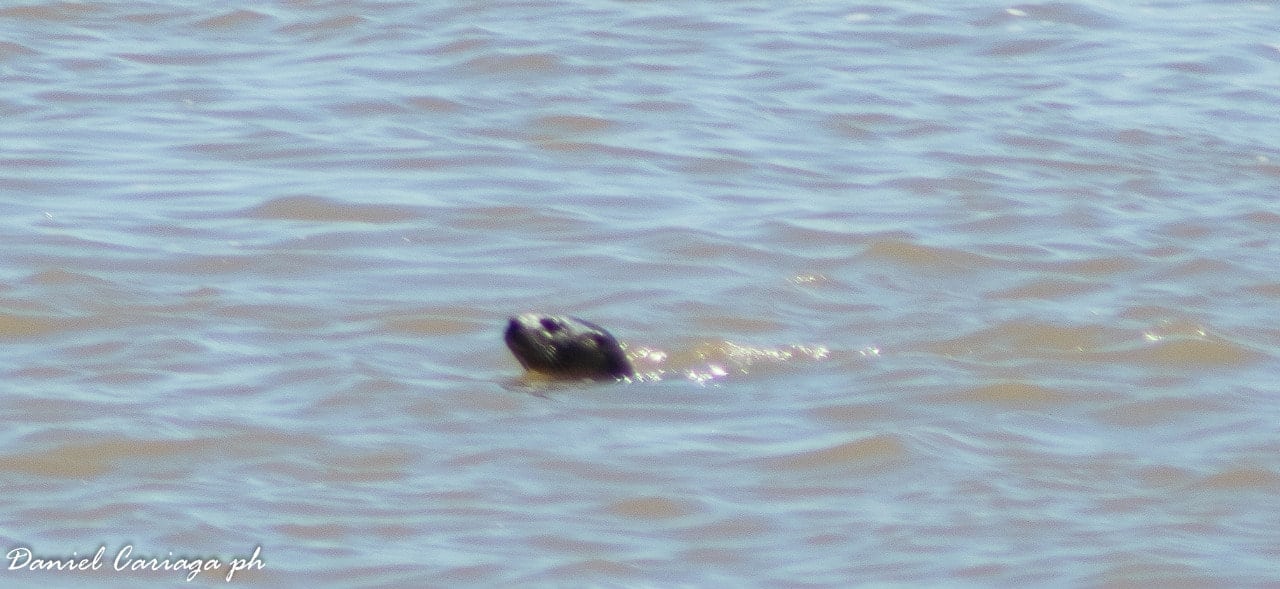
[550, 324]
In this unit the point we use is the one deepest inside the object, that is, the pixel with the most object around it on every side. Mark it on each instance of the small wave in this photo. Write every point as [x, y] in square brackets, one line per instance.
[863, 452]
[650, 508]
[914, 254]
[314, 208]
[91, 459]
[1015, 394]
[18, 326]
[1202, 352]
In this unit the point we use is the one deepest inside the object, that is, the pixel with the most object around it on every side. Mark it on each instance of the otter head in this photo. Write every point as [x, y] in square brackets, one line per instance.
[565, 347]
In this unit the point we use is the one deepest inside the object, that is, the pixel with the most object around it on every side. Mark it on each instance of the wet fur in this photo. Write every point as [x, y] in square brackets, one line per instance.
[566, 347]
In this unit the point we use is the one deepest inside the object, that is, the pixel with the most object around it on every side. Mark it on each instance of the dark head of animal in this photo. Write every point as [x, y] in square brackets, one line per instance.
[566, 347]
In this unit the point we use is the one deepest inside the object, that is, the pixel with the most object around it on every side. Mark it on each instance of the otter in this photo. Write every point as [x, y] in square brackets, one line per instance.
[566, 347]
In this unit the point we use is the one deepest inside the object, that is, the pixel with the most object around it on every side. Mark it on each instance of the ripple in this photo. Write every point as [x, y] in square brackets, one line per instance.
[1241, 478]
[235, 19]
[1070, 13]
[92, 459]
[1195, 353]
[522, 64]
[872, 451]
[650, 508]
[1016, 394]
[59, 12]
[321, 209]
[1035, 338]
[24, 326]
[573, 124]
[914, 254]
[9, 50]
[324, 28]
[1161, 411]
[1049, 289]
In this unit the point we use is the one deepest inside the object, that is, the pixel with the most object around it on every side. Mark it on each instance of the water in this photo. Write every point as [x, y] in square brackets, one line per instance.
[258, 259]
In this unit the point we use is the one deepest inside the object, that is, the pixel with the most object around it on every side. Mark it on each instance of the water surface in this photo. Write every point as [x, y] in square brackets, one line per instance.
[258, 259]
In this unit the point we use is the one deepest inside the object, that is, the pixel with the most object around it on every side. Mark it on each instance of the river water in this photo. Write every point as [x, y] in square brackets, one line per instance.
[961, 293]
